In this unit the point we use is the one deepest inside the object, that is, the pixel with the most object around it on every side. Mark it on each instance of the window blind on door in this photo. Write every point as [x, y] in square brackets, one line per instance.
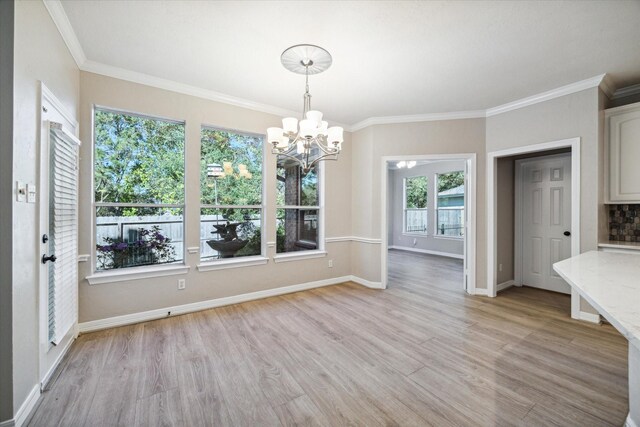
[63, 229]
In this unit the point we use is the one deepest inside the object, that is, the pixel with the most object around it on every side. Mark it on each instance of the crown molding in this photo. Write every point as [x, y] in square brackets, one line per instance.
[607, 86]
[413, 118]
[61, 20]
[626, 91]
[59, 16]
[548, 95]
[173, 86]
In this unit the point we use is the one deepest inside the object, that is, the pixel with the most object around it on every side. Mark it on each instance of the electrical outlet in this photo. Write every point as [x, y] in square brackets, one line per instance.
[499, 267]
[330, 263]
[182, 283]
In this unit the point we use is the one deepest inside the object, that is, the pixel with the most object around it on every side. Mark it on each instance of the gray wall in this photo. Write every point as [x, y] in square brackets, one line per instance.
[574, 115]
[40, 55]
[6, 208]
[505, 218]
[425, 242]
[406, 139]
[115, 299]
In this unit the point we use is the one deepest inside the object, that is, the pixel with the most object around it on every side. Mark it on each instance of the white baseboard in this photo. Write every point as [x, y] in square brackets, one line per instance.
[367, 283]
[144, 316]
[590, 317]
[427, 251]
[629, 422]
[55, 364]
[25, 409]
[481, 292]
[504, 285]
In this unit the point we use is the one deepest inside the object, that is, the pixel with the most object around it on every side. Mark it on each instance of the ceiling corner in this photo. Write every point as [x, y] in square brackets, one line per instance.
[59, 16]
[606, 84]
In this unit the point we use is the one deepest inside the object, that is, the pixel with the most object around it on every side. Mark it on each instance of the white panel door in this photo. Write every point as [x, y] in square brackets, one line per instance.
[546, 220]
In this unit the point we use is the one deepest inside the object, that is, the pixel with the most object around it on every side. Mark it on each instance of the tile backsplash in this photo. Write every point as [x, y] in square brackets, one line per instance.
[624, 223]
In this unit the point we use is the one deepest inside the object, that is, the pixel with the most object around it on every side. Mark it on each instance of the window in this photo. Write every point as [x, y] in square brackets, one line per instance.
[231, 194]
[139, 190]
[298, 213]
[415, 204]
[450, 204]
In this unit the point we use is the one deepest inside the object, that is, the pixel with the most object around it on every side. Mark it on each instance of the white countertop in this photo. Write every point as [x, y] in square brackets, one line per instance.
[611, 283]
[620, 245]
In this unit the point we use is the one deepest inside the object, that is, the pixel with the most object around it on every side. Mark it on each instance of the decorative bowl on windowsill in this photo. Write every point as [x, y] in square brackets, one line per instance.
[230, 244]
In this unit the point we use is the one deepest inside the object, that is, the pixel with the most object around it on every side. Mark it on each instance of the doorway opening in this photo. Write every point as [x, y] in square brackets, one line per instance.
[428, 221]
[533, 216]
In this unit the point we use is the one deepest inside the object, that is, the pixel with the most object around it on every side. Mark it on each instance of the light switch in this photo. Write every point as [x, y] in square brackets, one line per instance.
[31, 193]
[21, 192]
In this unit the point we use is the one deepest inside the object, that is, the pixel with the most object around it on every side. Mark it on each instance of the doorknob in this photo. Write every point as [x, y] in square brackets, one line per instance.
[567, 233]
[51, 258]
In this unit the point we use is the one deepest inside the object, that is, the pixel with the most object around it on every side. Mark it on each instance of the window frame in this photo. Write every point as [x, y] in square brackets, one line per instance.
[224, 263]
[320, 251]
[143, 271]
[436, 234]
[405, 209]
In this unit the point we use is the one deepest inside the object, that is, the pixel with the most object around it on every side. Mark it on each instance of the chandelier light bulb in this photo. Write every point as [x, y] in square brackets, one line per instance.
[308, 128]
[290, 125]
[322, 128]
[274, 135]
[283, 143]
[335, 134]
[315, 116]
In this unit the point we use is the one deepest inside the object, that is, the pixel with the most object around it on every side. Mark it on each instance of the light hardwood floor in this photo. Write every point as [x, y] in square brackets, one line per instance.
[419, 353]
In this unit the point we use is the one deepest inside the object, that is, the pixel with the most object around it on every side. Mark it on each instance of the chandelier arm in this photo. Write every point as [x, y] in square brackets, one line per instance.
[322, 158]
[285, 154]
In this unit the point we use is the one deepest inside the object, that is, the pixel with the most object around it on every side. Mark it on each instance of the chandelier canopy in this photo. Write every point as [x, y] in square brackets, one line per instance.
[309, 140]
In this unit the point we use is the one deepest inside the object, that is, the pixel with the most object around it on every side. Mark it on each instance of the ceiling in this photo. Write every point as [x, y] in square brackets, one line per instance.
[389, 58]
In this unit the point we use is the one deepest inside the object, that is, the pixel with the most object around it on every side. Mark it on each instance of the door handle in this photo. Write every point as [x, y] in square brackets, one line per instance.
[51, 258]
[567, 233]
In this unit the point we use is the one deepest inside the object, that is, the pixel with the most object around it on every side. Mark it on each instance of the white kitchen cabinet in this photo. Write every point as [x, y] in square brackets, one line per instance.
[623, 147]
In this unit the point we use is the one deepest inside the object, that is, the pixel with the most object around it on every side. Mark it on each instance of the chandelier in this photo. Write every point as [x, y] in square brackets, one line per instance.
[309, 140]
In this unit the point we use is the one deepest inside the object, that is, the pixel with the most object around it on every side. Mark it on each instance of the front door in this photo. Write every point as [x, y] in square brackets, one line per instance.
[546, 220]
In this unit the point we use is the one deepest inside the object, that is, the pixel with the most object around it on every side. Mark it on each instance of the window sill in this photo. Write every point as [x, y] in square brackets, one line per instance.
[435, 236]
[136, 273]
[296, 256]
[232, 263]
[414, 234]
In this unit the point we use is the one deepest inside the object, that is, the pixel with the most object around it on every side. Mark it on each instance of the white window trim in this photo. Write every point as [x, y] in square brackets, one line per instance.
[416, 234]
[225, 263]
[443, 237]
[296, 256]
[404, 209]
[221, 263]
[437, 235]
[320, 250]
[105, 276]
[136, 273]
